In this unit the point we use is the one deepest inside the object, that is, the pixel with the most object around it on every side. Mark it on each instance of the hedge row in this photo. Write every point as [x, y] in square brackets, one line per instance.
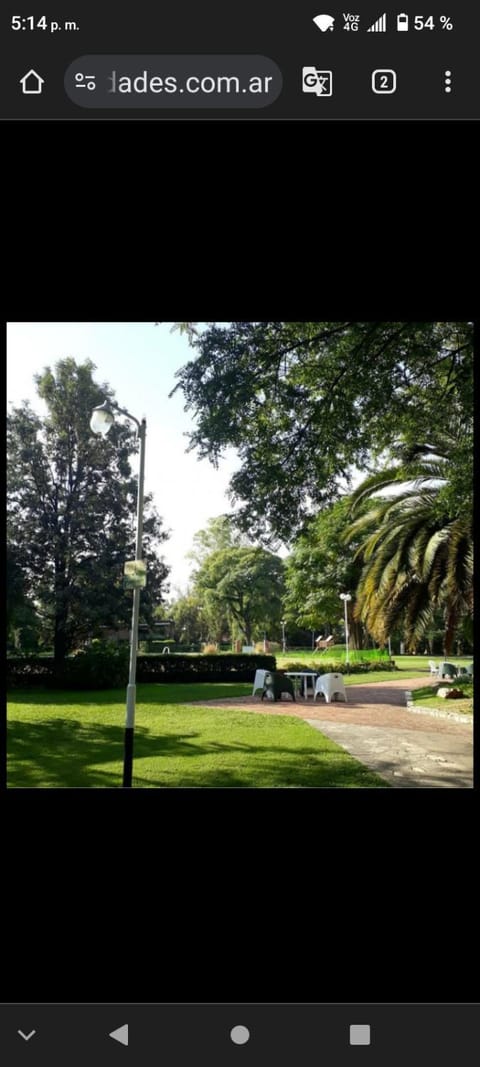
[100, 668]
[340, 667]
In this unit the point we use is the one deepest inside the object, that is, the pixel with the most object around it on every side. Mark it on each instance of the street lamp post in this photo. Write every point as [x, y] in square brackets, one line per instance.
[284, 647]
[101, 421]
[346, 597]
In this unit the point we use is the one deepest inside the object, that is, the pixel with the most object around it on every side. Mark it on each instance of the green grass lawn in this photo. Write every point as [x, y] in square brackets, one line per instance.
[406, 666]
[427, 698]
[65, 739]
[381, 676]
[417, 662]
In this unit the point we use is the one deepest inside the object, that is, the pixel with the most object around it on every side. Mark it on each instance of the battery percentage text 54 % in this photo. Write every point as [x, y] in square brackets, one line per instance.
[427, 23]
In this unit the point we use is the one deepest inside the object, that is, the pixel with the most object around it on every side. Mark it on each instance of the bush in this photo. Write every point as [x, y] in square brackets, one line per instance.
[209, 649]
[107, 668]
[272, 647]
[103, 665]
[220, 667]
[22, 672]
[355, 655]
[340, 667]
[292, 665]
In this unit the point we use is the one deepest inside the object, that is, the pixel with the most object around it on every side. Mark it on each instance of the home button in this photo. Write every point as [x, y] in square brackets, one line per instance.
[32, 82]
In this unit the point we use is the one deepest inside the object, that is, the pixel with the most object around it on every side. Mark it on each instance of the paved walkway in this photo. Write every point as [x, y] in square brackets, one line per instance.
[375, 726]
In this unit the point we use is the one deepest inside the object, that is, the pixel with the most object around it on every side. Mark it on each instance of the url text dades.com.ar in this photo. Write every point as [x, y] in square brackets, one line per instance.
[147, 82]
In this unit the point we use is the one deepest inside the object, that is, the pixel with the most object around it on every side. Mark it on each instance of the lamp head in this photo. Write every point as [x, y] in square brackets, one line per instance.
[102, 419]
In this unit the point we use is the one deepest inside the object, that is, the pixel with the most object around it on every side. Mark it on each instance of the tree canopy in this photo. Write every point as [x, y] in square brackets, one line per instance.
[321, 566]
[243, 585]
[220, 532]
[71, 510]
[304, 403]
[416, 547]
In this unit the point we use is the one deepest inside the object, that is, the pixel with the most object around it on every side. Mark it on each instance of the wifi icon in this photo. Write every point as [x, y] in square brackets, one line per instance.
[324, 22]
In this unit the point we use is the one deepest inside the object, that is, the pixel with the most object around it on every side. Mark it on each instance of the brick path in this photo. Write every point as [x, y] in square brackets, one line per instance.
[376, 727]
[374, 704]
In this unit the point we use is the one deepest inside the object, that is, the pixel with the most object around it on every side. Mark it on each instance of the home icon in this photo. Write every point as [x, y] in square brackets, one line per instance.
[31, 82]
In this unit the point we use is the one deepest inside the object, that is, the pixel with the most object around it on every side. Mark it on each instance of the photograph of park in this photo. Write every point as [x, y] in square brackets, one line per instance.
[240, 555]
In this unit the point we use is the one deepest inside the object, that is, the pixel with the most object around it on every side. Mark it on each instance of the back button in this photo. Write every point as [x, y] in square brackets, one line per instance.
[120, 1035]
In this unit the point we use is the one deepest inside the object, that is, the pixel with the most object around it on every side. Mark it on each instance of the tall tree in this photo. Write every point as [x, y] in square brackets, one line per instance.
[417, 546]
[303, 402]
[187, 621]
[318, 569]
[245, 583]
[23, 624]
[71, 510]
[215, 621]
[220, 532]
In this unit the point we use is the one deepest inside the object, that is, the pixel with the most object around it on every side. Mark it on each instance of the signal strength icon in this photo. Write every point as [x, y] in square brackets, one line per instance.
[380, 26]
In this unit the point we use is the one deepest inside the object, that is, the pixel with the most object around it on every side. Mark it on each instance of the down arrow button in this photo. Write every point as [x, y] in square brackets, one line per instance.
[26, 1037]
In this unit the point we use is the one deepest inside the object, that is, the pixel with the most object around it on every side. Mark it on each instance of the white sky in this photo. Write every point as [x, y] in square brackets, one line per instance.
[138, 360]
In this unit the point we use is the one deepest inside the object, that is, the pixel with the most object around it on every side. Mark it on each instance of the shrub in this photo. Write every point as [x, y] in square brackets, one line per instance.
[339, 666]
[292, 665]
[108, 668]
[220, 667]
[355, 655]
[209, 649]
[22, 672]
[103, 665]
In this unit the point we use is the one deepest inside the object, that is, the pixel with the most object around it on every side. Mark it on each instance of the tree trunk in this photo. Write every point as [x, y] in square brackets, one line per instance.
[61, 614]
[59, 642]
[355, 640]
[449, 632]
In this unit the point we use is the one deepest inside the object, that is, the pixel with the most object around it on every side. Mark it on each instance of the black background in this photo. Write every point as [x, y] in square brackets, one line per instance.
[250, 896]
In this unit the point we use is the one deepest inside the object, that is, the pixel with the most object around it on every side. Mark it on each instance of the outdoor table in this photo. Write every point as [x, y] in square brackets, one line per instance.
[305, 675]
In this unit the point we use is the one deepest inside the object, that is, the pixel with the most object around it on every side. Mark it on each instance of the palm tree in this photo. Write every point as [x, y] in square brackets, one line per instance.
[417, 547]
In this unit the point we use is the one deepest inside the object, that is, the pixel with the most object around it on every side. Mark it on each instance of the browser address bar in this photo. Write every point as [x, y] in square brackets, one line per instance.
[173, 81]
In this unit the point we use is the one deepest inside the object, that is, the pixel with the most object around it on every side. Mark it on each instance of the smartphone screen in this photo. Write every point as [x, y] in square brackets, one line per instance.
[239, 780]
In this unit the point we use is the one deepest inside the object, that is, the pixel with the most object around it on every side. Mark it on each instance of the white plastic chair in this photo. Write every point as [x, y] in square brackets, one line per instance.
[259, 681]
[330, 685]
[433, 666]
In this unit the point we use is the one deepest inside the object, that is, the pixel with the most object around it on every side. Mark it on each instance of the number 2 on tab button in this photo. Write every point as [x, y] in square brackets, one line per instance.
[384, 81]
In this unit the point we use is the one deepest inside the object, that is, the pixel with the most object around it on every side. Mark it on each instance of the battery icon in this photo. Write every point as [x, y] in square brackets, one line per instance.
[402, 23]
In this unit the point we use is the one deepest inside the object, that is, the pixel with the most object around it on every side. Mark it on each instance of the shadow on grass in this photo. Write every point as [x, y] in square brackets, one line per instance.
[64, 754]
[147, 693]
